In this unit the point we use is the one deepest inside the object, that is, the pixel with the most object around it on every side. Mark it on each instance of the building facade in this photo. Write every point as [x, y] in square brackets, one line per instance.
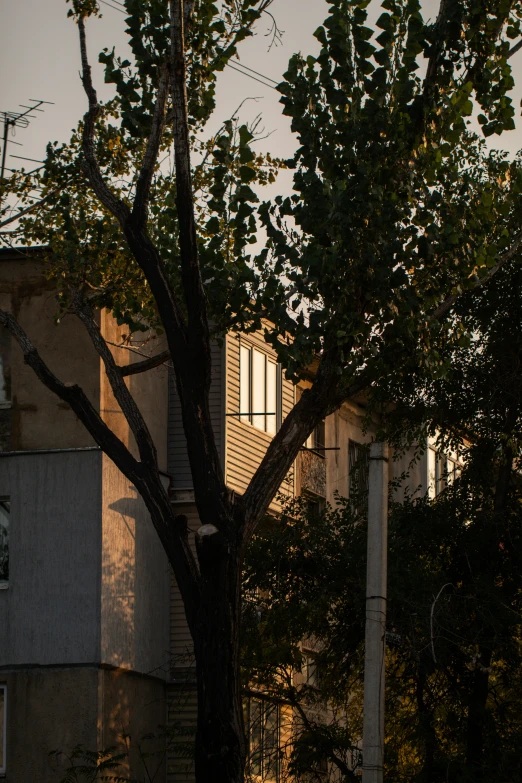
[93, 640]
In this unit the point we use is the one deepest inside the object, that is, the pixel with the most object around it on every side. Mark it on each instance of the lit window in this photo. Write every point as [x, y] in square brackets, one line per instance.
[3, 727]
[263, 721]
[358, 469]
[259, 390]
[4, 542]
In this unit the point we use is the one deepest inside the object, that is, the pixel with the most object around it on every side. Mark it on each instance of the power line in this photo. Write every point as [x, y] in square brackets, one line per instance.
[237, 62]
[114, 7]
[251, 77]
[246, 68]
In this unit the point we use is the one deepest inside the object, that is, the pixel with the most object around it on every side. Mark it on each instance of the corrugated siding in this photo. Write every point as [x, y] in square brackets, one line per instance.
[245, 444]
[182, 700]
[182, 716]
[178, 464]
[180, 638]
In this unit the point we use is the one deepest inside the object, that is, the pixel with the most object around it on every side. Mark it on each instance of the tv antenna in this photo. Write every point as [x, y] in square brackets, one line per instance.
[18, 119]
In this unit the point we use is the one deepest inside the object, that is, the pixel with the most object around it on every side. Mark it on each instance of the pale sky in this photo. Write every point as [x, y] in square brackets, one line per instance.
[39, 58]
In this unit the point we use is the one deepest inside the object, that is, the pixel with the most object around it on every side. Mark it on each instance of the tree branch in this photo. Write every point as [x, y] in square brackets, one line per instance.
[91, 166]
[139, 211]
[190, 271]
[146, 364]
[514, 49]
[444, 308]
[327, 744]
[28, 209]
[124, 398]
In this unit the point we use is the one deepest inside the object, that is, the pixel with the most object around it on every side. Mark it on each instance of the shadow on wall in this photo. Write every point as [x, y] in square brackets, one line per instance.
[135, 579]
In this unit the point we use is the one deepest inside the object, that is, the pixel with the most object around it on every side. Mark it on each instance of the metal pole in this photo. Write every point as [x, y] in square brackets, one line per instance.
[375, 637]
[4, 151]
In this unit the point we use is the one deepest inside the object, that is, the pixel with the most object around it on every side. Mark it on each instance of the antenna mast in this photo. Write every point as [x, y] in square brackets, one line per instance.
[17, 119]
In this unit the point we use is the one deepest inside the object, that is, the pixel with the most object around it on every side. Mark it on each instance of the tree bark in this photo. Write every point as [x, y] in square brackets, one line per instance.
[220, 736]
[476, 718]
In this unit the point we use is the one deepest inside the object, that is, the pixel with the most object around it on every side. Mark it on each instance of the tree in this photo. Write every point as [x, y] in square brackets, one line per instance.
[397, 208]
[454, 648]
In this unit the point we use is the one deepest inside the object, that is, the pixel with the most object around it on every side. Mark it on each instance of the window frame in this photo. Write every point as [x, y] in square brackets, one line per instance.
[6, 500]
[316, 441]
[5, 370]
[3, 737]
[447, 468]
[251, 416]
[354, 476]
[261, 751]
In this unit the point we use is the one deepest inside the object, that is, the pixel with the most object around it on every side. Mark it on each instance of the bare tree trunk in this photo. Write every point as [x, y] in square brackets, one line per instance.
[476, 718]
[220, 736]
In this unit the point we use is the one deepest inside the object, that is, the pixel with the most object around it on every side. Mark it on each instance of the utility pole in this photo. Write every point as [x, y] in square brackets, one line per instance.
[375, 635]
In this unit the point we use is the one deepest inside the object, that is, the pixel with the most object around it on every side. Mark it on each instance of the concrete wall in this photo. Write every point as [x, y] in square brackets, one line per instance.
[50, 612]
[85, 585]
[135, 581]
[65, 347]
[60, 708]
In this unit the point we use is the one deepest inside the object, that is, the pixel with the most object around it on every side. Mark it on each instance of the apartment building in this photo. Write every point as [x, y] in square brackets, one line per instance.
[93, 640]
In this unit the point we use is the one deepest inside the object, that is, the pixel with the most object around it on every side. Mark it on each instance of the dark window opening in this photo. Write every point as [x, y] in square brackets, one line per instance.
[358, 469]
[5, 507]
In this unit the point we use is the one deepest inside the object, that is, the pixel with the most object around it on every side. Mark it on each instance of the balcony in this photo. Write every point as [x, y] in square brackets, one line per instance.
[311, 470]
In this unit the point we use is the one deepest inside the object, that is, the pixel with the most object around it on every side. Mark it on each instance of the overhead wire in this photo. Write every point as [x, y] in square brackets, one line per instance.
[241, 69]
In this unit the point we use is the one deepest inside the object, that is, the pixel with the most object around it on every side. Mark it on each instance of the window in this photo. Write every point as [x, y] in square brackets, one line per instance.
[4, 542]
[5, 368]
[309, 669]
[443, 470]
[317, 440]
[263, 721]
[259, 390]
[3, 727]
[358, 468]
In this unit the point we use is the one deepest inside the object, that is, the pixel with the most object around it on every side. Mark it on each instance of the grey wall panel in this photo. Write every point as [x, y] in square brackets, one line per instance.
[178, 464]
[51, 611]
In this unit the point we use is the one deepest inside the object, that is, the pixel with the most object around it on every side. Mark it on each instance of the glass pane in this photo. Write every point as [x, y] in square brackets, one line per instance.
[258, 389]
[4, 541]
[244, 383]
[271, 398]
[2, 728]
[432, 473]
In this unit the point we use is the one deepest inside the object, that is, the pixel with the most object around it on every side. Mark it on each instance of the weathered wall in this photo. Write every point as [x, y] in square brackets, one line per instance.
[48, 709]
[66, 348]
[135, 581]
[58, 708]
[134, 705]
[51, 611]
